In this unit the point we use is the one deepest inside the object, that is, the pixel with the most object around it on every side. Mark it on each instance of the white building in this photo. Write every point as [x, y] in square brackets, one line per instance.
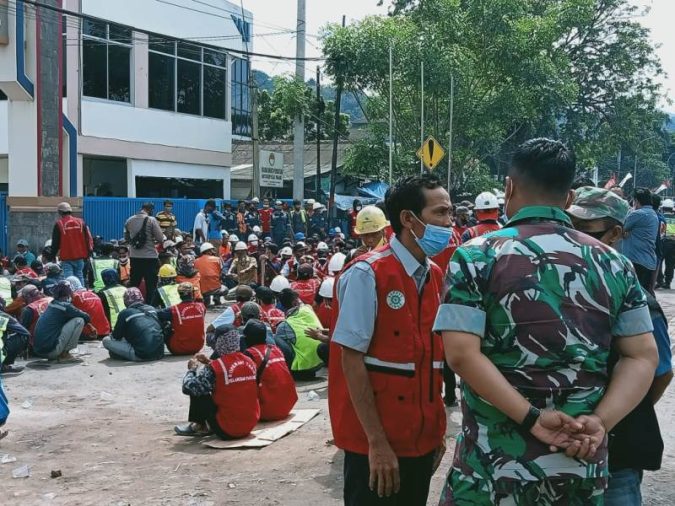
[153, 93]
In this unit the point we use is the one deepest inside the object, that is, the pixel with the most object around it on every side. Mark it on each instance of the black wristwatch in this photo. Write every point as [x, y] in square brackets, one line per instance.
[530, 419]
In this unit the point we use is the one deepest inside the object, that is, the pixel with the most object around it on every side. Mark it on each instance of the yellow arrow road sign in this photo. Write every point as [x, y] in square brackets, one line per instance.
[431, 153]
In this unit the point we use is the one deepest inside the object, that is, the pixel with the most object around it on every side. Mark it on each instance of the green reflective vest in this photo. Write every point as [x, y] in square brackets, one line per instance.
[114, 296]
[169, 295]
[670, 227]
[98, 265]
[305, 347]
[4, 320]
[6, 290]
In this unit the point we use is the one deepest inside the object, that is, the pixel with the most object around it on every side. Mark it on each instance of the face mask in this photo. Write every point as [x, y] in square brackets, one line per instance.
[434, 240]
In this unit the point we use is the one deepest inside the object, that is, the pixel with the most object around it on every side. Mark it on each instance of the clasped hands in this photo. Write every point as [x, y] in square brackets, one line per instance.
[578, 437]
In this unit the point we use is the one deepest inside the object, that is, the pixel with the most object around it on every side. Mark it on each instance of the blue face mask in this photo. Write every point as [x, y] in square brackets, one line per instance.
[434, 240]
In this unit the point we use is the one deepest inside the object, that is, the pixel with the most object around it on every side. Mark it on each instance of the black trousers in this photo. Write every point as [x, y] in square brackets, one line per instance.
[645, 277]
[415, 473]
[15, 345]
[668, 261]
[450, 383]
[145, 269]
[203, 410]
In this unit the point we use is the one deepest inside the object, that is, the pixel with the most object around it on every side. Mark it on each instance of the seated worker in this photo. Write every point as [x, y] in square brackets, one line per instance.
[223, 393]
[252, 311]
[36, 304]
[112, 295]
[188, 274]
[101, 263]
[210, 267]
[231, 315]
[54, 275]
[14, 339]
[124, 264]
[244, 268]
[305, 354]
[23, 269]
[58, 329]
[167, 288]
[15, 302]
[307, 285]
[324, 305]
[87, 301]
[270, 314]
[276, 388]
[138, 335]
[185, 332]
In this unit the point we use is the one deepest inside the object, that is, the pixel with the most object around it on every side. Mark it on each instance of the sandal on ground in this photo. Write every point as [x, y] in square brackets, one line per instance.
[190, 429]
[3, 434]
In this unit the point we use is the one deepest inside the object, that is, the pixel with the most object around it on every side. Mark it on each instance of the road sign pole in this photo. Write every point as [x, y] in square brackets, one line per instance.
[391, 115]
[422, 111]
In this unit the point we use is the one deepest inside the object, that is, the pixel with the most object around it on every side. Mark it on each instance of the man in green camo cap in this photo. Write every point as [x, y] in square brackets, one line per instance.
[599, 213]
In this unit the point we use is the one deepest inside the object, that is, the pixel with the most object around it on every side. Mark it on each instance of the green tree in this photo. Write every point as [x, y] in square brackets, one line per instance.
[580, 70]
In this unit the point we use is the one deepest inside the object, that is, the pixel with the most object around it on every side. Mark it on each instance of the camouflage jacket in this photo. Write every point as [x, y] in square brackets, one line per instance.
[546, 302]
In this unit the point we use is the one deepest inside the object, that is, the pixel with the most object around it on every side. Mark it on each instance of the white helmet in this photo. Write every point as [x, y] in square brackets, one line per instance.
[338, 230]
[286, 252]
[256, 230]
[255, 200]
[253, 238]
[668, 204]
[326, 290]
[233, 238]
[317, 205]
[179, 240]
[322, 246]
[279, 283]
[486, 200]
[48, 243]
[241, 246]
[337, 262]
[205, 247]
[310, 202]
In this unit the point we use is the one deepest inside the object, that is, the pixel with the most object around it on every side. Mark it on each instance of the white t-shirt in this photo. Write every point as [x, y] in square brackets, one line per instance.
[202, 223]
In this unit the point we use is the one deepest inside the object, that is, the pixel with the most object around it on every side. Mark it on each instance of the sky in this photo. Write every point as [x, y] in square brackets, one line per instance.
[273, 16]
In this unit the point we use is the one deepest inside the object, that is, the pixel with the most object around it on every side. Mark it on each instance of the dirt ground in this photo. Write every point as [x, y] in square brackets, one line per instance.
[107, 426]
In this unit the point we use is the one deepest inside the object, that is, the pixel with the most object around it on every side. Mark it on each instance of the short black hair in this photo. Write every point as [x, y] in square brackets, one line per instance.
[149, 206]
[643, 196]
[107, 248]
[545, 165]
[408, 194]
[287, 298]
[168, 202]
[264, 295]
[656, 201]
[20, 261]
[210, 203]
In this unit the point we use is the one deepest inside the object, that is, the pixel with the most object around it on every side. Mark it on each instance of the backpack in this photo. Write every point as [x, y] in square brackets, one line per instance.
[141, 237]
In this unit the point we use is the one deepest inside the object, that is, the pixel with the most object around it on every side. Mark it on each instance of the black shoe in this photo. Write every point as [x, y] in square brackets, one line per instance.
[11, 370]
[450, 402]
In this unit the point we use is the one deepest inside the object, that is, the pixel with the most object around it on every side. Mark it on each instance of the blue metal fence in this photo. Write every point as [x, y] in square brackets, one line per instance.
[106, 215]
[3, 222]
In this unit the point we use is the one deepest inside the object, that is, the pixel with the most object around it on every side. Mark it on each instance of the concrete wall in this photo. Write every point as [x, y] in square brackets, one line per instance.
[4, 128]
[23, 148]
[35, 227]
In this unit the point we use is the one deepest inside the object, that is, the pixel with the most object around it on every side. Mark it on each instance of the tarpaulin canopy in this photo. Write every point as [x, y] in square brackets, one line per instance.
[374, 189]
[346, 202]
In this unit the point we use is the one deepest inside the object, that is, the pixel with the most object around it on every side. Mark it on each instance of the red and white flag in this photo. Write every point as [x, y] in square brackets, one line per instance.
[664, 185]
[611, 183]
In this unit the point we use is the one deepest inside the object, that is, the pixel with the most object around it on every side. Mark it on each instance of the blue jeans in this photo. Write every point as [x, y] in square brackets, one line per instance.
[624, 488]
[73, 268]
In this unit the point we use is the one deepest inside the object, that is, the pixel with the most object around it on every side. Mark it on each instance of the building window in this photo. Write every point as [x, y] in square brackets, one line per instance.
[2, 96]
[241, 104]
[187, 78]
[104, 177]
[106, 61]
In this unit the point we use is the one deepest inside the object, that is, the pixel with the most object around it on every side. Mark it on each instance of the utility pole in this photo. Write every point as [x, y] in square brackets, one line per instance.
[299, 128]
[391, 114]
[422, 112]
[333, 165]
[452, 107]
[319, 111]
[255, 187]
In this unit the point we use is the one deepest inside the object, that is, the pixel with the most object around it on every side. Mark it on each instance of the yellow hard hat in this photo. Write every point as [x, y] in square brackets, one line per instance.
[370, 219]
[167, 271]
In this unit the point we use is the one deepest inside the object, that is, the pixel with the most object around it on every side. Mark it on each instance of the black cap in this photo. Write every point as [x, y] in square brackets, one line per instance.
[148, 205]
[255, 332]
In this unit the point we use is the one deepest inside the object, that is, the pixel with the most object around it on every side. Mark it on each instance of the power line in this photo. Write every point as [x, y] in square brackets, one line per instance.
[229, 50]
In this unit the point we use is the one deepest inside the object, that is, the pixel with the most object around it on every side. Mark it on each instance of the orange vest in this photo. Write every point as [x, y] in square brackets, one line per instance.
[404, 363]
[276, 388]
[209, 268]
[236, 394]
[187, 322]
[125, 272]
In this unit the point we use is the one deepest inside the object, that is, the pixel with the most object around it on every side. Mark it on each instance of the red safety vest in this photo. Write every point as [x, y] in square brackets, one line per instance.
[236, 394]
[326, 315]
[484, 227]
[75, 242]
[90, 303]
[266, 218]
[236, 309]
[404, 363]
[39, 306]
[272, 315]
[209, 268]
[307, 289]
[443, 258]
[276, 388]
[187, 322]
[292, 269]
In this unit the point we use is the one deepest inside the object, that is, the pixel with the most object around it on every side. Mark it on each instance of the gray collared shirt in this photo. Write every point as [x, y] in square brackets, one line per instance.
[357, 296]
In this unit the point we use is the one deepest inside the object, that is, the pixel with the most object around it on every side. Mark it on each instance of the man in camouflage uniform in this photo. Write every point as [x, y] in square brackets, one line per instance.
[530, 314]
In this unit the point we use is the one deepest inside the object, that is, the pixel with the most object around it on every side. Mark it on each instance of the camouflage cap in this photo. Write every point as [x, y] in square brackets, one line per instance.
[591, 203]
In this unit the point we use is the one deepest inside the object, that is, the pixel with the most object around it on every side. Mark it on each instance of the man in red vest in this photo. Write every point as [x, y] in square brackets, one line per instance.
[89, 302]
[187, 323]
[307, 285]
[36, 304]
[487, 213]
[72, 241]
[386, 365]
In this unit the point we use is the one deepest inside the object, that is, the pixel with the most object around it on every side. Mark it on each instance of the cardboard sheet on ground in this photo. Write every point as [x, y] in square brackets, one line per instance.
[266, 433]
